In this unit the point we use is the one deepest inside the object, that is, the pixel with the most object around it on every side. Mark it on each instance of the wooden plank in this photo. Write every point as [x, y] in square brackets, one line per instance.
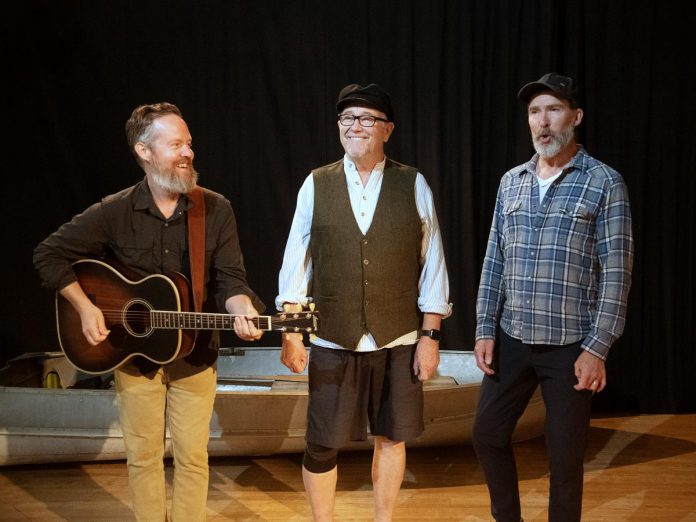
[638, 468]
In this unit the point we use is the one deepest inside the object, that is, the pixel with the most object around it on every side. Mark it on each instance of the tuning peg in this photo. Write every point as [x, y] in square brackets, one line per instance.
[312, 306]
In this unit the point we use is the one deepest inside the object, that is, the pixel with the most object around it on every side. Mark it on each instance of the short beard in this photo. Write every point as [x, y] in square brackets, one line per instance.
[559, 141]
[170, 180]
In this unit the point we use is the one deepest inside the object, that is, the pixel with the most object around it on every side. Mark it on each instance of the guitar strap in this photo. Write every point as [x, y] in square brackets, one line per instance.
[196, 233]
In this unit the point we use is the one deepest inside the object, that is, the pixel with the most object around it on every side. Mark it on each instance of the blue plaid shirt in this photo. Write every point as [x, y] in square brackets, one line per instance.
[558, 271]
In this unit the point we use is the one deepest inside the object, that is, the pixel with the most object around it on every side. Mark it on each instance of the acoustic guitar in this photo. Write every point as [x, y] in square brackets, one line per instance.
[150, 317]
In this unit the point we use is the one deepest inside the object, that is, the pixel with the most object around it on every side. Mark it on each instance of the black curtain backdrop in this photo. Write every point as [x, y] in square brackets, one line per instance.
[257, 83]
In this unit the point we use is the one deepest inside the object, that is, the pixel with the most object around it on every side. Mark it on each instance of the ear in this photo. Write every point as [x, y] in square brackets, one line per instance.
[389, 128]
[578, 117]
[142, 151]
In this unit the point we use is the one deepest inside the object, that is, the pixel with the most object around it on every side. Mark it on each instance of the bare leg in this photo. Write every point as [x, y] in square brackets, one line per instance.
[388, 465]
[321, 492]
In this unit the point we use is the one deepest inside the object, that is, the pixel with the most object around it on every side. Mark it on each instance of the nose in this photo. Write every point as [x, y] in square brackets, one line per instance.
[187, 151]
[356, 125]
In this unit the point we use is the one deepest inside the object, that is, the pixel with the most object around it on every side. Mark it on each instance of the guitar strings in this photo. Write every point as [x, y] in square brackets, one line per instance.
[144, 316]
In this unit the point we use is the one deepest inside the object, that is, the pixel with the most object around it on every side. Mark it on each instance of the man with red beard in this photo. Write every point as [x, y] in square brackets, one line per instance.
[551, 301]
[144, 228]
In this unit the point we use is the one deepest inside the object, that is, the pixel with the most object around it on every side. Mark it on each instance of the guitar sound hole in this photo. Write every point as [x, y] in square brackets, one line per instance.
[137, 319]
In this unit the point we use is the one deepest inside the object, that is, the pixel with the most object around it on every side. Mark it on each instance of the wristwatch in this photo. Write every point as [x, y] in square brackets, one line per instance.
[433, 334]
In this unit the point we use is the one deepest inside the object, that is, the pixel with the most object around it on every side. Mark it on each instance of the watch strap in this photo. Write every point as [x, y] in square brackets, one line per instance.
[432, 333]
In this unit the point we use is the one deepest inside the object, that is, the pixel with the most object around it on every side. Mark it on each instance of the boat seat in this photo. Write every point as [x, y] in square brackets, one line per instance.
[440, 380]
[289, 386]
[297, 385]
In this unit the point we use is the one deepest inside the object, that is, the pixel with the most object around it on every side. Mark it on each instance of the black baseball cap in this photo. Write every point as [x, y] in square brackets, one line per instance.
[561, 86]
[372, 96]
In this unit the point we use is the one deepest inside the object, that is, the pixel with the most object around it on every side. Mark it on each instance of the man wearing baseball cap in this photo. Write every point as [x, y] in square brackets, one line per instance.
[365, 247]
[551, 301]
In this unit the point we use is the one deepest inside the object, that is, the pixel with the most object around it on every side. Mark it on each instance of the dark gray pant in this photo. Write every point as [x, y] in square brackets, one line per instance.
[504, 397]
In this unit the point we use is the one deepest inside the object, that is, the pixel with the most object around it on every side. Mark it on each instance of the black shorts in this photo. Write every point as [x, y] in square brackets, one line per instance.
[347, 389]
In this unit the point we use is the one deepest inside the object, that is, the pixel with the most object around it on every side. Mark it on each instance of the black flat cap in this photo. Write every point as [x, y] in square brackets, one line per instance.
[372, 96]
[562, 86]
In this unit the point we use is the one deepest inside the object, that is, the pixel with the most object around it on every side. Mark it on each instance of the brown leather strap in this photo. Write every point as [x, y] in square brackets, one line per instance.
[196, 232]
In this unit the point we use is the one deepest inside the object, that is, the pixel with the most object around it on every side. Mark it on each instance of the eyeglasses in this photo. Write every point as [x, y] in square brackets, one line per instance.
[365, 120]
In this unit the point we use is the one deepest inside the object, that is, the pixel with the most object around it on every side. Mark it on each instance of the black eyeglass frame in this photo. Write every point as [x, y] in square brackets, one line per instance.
[367, 117]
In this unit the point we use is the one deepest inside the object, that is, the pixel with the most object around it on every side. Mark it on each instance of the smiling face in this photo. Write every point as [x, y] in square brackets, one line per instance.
[552, 124]
[167, 157]
[365, 144]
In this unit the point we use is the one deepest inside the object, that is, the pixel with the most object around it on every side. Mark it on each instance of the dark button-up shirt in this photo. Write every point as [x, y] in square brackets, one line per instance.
[127, 227]
[558, 271]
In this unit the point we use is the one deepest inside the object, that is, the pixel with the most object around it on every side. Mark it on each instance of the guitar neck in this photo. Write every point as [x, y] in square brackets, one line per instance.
[167, 320]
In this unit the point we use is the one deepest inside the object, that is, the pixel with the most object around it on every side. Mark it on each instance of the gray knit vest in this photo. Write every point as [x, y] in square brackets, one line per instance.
[366, 283]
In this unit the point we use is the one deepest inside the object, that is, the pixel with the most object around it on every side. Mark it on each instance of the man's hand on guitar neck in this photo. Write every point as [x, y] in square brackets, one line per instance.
[243, 326]
[92, 319]
[294, 353]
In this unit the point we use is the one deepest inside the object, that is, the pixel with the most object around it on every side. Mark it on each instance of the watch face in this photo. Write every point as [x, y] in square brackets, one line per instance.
[433, 334]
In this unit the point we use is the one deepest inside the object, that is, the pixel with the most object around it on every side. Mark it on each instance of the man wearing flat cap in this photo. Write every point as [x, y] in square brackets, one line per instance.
[551, 301]
[365, 247]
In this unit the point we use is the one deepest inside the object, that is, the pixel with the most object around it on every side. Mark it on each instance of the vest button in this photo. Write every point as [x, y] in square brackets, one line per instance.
[364, 241]
[365, 282]
[366, 261]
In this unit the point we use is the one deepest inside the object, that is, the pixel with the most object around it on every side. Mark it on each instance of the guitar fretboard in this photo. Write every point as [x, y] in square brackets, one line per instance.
[201, 321]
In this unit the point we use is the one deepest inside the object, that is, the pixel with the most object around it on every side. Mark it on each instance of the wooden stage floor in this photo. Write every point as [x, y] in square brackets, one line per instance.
[638, 468]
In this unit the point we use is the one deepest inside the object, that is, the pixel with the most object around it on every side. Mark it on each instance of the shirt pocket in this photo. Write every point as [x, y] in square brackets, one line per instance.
[513, 229]
[135, 251]
[578, 226]
[582, 211]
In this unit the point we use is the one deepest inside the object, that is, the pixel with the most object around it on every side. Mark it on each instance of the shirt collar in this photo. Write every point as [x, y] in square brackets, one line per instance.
[143, 198]
[578, 162]
[352, 171]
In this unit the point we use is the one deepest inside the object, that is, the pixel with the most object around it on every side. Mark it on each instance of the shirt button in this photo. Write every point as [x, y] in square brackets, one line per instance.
[362, 213]
[364, 198]
[166, 250]
[527, 301]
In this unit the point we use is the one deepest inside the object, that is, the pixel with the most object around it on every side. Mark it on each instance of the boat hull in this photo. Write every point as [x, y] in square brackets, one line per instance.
[260, 409]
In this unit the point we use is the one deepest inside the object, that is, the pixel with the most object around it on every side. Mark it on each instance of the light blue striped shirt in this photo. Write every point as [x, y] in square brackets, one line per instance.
[296, 272]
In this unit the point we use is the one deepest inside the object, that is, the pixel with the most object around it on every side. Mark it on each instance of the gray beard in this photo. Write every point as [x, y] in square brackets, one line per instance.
[171, 181]
[559, 141]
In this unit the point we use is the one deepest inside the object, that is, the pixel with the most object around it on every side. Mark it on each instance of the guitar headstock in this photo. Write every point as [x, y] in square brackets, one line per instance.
[306, 321]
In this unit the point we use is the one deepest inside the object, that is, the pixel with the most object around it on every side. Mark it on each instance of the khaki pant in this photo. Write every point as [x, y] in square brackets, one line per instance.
[189, 405]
